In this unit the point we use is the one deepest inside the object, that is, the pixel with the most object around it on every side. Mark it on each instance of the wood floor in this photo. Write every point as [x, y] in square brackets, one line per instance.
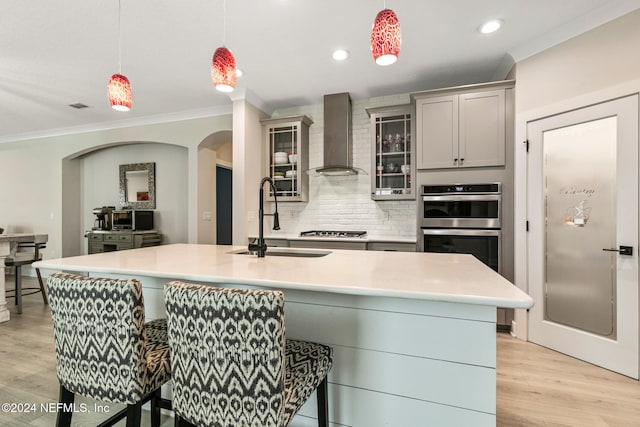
[28, 369]
[535, 386]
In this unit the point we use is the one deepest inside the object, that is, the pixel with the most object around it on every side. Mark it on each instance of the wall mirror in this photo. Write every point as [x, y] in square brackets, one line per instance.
[138, 186]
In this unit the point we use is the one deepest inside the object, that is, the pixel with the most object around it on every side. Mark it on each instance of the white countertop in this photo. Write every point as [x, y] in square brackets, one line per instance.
[457, 278]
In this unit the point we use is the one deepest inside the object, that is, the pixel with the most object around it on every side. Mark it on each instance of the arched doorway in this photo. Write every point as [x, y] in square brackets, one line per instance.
[90, 179]
[214, 189]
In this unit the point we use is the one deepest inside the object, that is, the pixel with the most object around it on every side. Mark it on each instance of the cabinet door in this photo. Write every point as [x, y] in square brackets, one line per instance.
[391, 246]
[482, 128]
[283, 140]
[287, 144]
[391, 154]
[437, 132]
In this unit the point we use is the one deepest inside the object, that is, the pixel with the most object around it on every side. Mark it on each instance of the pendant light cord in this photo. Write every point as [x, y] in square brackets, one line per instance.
[224, 22]
[119, 38]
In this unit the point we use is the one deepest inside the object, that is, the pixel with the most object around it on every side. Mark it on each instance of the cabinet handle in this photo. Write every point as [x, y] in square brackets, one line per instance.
[455, 160]
[461, 160]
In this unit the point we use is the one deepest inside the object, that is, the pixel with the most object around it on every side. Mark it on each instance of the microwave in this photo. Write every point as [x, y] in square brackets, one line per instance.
[462, 206]
[132, 219]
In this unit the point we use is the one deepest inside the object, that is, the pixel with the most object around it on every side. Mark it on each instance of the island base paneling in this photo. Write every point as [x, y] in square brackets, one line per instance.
[358, 407]
[419, 335]
[460, 385]
[397, 361]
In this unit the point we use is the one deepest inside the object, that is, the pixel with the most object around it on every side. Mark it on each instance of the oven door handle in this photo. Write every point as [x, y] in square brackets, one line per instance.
[458, 232]
[469, 198]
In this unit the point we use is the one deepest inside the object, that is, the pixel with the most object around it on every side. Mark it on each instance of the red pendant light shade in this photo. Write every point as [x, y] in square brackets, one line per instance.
[223, 70]
[385, 38]
[119, 91]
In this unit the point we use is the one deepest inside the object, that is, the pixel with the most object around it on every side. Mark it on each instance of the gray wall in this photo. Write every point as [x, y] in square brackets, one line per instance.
[100, 172]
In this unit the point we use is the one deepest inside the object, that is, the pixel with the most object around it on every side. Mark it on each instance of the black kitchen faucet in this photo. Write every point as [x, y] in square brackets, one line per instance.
[261, 246]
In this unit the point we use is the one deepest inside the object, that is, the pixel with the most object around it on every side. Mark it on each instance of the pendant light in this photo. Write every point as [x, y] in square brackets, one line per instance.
[119, 88]
[223, 64]
[385, 37]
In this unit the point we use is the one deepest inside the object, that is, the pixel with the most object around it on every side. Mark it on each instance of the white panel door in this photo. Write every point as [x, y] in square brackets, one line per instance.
[583, 209]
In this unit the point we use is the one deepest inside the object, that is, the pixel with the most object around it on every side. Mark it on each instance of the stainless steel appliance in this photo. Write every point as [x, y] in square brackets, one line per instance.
[132, 219]
[462, 218]
[462, 205]
[103, 218]
[338, 137]
[331, 239]
[329, 234]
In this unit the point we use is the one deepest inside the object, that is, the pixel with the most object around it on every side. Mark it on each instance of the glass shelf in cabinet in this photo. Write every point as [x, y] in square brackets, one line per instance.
[393, 153]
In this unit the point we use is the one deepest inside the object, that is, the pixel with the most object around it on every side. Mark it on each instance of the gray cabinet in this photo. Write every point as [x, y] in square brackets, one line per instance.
[364, 244]
[391, 246]
[273, 243]
[391, 153]
[287, 156]
[328, 244]
[463, 127]
[110, 241]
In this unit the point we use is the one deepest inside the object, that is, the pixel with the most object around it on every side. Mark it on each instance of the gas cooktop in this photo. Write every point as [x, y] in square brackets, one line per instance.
[324, 233]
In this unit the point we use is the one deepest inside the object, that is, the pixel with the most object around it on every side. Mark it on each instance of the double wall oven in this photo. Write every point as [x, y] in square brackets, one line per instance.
[462, 218]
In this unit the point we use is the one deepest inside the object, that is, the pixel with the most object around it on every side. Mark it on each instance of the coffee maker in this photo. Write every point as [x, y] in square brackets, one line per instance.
[103, 218]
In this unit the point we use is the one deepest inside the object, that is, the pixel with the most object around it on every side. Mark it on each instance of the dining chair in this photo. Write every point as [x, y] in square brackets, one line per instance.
[231, 363]
[104, 348]
[27, 253]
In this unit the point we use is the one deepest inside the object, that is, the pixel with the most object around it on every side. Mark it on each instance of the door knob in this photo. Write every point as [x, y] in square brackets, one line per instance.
[624, 250]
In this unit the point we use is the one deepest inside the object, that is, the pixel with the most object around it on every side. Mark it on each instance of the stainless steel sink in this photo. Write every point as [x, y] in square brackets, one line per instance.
[297, 253]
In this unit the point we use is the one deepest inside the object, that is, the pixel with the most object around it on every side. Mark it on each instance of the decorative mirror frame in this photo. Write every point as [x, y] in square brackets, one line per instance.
[147, 204]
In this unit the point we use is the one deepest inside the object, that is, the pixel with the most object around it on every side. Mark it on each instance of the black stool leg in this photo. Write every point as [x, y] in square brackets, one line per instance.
[134, 413]
[44, 294]
[19, 288]
[64, 418]
[155, 408]
[323, 404]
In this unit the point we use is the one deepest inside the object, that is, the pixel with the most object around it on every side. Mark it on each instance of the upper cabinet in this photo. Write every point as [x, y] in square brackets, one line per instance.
[287, 156]
[463, 127]
[391, 153]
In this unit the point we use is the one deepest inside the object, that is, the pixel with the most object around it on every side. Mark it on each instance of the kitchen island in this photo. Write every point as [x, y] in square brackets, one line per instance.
[413, 333]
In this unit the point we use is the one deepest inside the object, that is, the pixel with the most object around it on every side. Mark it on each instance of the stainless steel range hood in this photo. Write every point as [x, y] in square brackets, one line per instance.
[338, 143]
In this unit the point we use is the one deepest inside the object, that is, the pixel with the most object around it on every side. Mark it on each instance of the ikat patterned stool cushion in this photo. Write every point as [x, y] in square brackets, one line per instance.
[104, 348]
[230, 361]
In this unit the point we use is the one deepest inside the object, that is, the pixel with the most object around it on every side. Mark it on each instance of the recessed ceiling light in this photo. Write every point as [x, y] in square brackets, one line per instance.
[490, 26]
[340, 54]
[239, 72]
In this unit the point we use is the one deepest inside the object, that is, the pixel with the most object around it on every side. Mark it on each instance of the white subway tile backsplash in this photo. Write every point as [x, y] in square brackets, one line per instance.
[344, 203]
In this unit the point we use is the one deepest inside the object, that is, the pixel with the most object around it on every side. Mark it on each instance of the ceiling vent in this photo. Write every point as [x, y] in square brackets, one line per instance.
[78, 105]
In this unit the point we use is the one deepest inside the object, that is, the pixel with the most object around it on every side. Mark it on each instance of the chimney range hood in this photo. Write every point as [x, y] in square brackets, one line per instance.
[338, 144]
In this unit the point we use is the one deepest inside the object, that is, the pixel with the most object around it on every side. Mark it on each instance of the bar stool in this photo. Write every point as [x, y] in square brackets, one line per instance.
[17, 260]
[104, 349]
[231, 364]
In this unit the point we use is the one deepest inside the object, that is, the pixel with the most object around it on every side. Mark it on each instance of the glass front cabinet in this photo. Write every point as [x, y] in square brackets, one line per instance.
[392, 160]
[287, 157]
